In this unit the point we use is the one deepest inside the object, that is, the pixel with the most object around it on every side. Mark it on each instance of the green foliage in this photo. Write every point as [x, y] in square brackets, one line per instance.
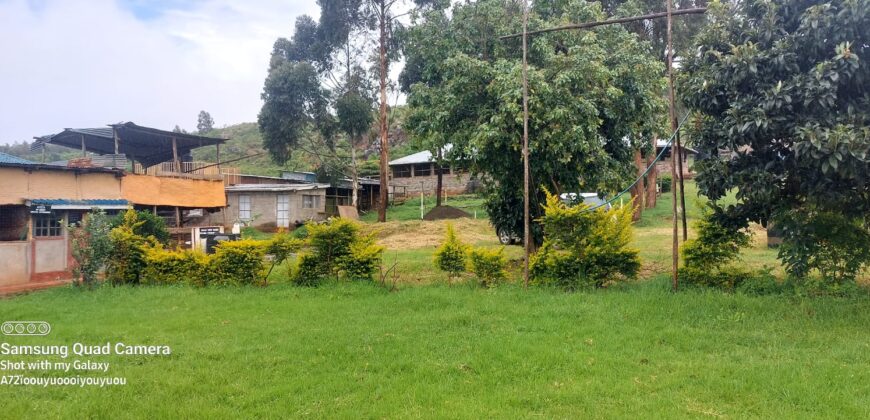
[783, 86]
[836, 245]
[149, 224]
[583, 247]
[589, 92]
[164, 267]
[281, 246]
[450, 256]
[308, 270]
[666, 182]
[91, 246]
[127, 258]
[716, 245]
[238, 263]
[337, 248]
[488, 265]
[708, 258]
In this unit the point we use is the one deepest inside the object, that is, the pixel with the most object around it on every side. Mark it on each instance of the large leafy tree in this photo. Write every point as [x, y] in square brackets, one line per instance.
[594, 99]
[781, 100]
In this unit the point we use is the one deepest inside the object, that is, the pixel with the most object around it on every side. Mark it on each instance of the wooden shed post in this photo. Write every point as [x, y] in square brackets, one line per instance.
[115, 157]
[84, 153]
[175, 155]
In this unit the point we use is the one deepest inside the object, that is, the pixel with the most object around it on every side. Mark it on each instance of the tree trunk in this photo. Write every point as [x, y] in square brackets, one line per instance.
[439, 183]
[382, 56]
[638, 190]
[651, 178]
[354, 175]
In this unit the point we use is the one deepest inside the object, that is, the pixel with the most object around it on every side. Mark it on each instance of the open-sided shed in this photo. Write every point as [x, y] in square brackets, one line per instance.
[145, 145]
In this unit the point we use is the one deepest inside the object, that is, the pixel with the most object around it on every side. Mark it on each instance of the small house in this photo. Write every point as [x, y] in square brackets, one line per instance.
[416, 173]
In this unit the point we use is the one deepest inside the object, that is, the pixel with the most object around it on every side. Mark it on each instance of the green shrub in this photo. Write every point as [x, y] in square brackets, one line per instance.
[488, 265]
[708, 259]
[280, 247]
[337, 248]
[836, 246]
[450, 256]
[762, 283]
[151, 225]
[90, 246]
[127, 257]
[175, 267]
[238, 262]
[308, 271]
[666, 182]
[583, 247]
[362, 262]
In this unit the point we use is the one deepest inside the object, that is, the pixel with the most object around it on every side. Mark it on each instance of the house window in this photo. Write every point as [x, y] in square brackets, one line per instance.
[402, 171]
[245, 207]
[310, 201]
[13, 223]
[422, 169]
[283, 211]
[47, 225]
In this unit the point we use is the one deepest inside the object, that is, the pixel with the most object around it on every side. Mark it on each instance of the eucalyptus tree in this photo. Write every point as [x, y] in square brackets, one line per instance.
[779, 92]
[594, 97]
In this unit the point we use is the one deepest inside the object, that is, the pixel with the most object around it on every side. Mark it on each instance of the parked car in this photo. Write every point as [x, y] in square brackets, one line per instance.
[508, 237]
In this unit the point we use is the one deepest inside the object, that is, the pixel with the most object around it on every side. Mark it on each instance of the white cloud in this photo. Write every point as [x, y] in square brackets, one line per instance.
[90, 63]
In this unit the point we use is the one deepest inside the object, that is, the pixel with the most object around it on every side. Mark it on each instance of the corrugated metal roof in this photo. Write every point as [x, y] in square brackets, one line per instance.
[63, 203]
[274, 187]
[7, 158]
[419, 157]
[664, 143]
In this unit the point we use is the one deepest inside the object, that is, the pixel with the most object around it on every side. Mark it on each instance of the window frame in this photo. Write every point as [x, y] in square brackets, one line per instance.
[244, 207]
[282, 205]
[314, 201]
[422, 169]
[402, 171]
[48, 225]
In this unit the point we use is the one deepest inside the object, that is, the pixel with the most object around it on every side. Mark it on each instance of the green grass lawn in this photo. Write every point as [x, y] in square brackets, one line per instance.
[355, 350]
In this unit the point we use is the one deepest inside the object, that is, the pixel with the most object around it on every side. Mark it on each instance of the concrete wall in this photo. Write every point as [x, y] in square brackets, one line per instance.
[264, 208]
[19, 184]
[50, 254]
[14, 262]
[452, 183]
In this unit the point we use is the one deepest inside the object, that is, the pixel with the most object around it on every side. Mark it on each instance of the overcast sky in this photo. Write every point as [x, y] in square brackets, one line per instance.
[88, 63]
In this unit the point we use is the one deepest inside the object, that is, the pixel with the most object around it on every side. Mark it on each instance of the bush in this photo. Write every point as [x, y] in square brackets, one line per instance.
[127, 257]
[837, 246]
[337, 248]
[666, 182]
[362, 262]
[151, 225]
[175, 267]
[583, 247]
[91, 246]
[488, 265]
[762, 283]
[280, 247]
[450, 256]
[308, 271]
[238, 262]
[708, 258]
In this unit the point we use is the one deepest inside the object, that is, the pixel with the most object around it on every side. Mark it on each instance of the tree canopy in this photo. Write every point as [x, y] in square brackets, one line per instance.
[595, 97]
[781, 105]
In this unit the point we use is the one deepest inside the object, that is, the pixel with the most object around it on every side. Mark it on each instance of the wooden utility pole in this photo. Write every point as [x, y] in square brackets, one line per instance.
[674, 151]
[382, 61]
[527, 231]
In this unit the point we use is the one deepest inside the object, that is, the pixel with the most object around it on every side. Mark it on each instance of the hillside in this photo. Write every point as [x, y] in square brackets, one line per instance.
[245, 140]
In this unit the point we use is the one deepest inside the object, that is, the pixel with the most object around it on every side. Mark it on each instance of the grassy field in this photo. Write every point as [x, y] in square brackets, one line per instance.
[355, 350]
[431, 350]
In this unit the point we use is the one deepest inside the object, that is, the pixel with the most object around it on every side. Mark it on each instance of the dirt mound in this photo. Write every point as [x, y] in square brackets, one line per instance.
[445, 212]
